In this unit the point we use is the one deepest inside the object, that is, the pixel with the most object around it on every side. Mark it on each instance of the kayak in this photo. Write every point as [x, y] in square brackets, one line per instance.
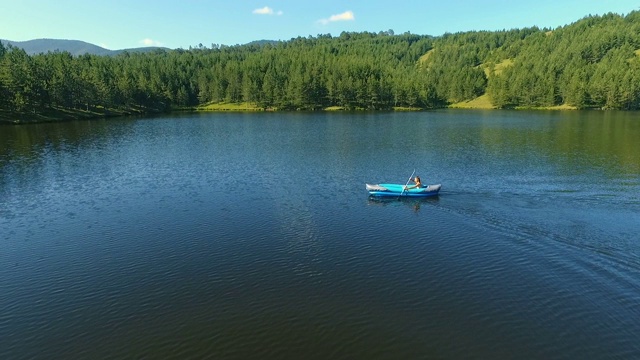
[397, 190]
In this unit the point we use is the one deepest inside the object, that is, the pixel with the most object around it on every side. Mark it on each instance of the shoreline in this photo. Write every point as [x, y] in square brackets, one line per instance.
[60, 115]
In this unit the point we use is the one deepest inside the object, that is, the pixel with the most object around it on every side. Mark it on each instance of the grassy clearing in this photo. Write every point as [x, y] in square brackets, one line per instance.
[481, 102]
[562, 107]
[486, 69]
[424, 58]
[245, 106]
[556, 107]
[484, 102]
[502, 65]
[406, 108]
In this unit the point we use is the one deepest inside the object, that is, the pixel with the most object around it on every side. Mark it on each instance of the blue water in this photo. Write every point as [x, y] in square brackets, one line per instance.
[236, 236]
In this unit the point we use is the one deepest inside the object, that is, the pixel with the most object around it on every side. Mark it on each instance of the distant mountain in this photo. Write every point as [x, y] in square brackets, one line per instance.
[74, 47]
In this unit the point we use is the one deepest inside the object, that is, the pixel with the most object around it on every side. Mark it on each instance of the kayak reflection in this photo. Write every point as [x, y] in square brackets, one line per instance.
[416, 203]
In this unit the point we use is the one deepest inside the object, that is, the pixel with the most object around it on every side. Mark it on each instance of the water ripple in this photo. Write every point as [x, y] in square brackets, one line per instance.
[230, 236]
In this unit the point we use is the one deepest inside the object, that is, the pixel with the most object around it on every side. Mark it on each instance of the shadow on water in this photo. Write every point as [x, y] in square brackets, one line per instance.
[415, 203]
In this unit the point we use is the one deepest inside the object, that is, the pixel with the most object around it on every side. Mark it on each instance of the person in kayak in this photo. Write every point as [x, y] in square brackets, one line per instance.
[418, 183]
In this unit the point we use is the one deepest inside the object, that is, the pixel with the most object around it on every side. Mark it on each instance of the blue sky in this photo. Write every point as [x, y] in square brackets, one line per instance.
[118, 24]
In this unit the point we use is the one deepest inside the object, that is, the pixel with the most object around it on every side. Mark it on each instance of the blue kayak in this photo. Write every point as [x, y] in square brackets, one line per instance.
[397, 190]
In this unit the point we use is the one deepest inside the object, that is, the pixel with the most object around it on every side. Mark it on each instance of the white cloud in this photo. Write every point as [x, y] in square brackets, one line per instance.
[150, 42]
[266, 11]
[345, 16]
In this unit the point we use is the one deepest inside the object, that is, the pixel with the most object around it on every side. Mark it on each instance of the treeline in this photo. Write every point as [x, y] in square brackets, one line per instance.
[355, 70]
[593, 63]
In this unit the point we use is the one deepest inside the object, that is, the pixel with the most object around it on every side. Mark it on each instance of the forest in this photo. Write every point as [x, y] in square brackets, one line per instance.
[593, 63]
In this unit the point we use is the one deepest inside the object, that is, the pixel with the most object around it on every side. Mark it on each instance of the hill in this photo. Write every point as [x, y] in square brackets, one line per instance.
[593, 63]
[74, 47]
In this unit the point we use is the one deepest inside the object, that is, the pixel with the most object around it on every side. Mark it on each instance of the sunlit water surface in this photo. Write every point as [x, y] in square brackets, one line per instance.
[238, 236]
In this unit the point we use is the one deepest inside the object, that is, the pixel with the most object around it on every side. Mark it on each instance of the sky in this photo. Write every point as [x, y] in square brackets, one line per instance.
[121, 24]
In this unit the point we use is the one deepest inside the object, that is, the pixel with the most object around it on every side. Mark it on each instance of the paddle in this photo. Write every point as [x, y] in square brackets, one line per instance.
[405, 185]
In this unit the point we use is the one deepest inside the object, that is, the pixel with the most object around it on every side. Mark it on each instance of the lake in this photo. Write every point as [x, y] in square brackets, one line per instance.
[251, 236]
